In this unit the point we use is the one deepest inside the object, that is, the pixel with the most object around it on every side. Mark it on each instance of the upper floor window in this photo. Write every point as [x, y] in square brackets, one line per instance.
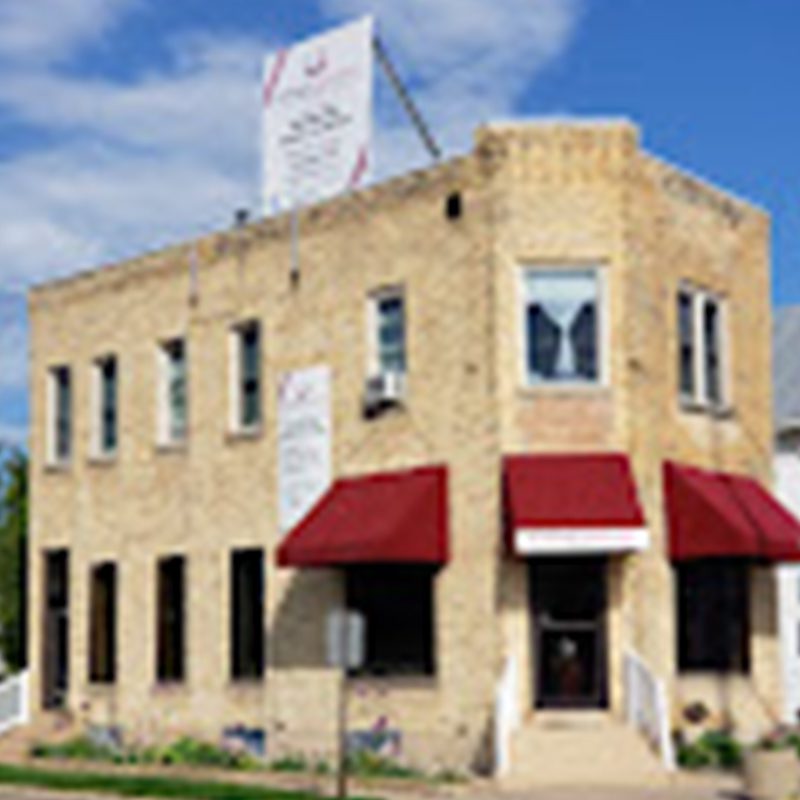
[106, 391]
[246, 373]
[562, 330]
[701, 374]
[60, 415]
[174, 390]
[389, 332]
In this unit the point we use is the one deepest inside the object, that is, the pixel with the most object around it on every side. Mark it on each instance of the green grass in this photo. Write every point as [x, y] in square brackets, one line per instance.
[141, 786]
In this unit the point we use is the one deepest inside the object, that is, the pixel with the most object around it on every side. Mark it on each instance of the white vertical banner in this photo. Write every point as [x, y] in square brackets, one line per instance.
[317, 101]
[304, 442]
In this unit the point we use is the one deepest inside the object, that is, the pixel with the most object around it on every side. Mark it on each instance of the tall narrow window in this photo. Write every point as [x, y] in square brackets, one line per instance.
[711, 351]
[247, 614]
[103, 624]
[174, 391]
[246, 354]
[562, 327]
[389, 332]
[107, 419]
[701, 348]
[170, 658]
[55, 651]
[60, 449]
[686, 364]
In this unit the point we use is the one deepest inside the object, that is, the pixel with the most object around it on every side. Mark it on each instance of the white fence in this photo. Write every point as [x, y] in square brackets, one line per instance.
[506, 716]
[646, 707]
[13, 702]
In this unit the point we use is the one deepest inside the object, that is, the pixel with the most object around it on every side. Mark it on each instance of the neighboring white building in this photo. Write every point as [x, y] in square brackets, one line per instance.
[786, 377]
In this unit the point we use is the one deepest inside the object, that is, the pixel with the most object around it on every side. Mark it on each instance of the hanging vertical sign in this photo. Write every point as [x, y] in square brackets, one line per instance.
[317, 99]
[304, 442]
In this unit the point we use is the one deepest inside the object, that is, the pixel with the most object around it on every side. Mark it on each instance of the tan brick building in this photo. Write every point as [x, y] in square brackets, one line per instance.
[517, 341]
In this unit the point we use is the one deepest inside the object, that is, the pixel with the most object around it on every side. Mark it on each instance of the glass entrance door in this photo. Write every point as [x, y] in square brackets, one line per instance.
[568, 601]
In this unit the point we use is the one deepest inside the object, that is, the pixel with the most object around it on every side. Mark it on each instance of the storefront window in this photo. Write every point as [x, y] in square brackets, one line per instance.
[713, 615]
[397, 604]
[562, 330]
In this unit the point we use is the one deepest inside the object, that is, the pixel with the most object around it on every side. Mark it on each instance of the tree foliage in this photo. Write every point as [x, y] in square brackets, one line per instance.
[13, 548]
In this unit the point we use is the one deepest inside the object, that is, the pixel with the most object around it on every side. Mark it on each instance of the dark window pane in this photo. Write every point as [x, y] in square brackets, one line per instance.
[108, 405]
[397, 603]
[391, 334]
[713, 615]
[712, 351]
[686, 344]
[250, 375]
[170, 619]
[544, 343]
[583, 336]
[62, 381]
[102, 624]
[247, 614]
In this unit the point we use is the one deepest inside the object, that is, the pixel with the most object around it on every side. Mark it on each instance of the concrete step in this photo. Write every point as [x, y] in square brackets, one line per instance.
[580, 749]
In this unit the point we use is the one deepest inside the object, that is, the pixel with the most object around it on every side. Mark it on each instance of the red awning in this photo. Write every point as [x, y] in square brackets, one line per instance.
[573, 503]
[398, 517]
[717, 514]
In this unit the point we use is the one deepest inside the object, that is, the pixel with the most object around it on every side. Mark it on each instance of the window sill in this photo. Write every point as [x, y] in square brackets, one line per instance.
[422, 682]
[249, 434]
[172, 448]
[565, 388]
[720, 412]
[247, 684]
[102, 461]
[170, 687]
[58, 467]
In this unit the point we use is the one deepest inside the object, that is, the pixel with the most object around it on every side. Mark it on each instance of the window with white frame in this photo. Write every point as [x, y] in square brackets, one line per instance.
[389, 332]
[245, 354]
[106, 406]
[701, 348]
[174, 391]
[60, 415]
[562, 325]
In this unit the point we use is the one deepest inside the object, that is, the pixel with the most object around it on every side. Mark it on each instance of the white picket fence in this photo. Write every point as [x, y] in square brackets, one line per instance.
[646, 707]
[14, 709]
[507, 716]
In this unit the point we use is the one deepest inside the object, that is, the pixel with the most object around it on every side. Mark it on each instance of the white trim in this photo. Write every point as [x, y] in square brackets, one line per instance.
[700, 297]
[577, 540]
[599, 268]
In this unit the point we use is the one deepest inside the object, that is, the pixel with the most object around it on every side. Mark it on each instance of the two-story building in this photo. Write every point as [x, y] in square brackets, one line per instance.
[538, 377]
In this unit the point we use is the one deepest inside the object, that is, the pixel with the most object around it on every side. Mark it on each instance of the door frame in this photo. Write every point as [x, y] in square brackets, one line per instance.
[599, 698]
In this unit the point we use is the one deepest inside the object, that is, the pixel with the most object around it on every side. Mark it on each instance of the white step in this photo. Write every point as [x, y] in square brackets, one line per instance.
[578, 748]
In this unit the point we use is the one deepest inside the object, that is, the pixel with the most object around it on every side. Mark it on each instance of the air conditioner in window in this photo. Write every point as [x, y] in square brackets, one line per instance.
[384, 390]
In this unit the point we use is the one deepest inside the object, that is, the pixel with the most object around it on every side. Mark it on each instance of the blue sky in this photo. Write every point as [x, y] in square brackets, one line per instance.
[126, 124]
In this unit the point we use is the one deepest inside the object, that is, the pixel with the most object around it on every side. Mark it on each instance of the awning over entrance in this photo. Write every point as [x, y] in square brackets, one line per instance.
[717, 514]
[386, 518]
[575, 503]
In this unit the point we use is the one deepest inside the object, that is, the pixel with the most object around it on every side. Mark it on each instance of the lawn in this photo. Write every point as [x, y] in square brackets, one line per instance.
[141, 786]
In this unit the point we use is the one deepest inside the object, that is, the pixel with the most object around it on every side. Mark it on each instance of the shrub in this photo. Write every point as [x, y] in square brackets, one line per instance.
[716, 749]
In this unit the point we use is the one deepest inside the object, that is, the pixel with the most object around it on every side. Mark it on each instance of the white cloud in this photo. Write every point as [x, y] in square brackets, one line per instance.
[466, 61]
[39, 31]
[139, 164]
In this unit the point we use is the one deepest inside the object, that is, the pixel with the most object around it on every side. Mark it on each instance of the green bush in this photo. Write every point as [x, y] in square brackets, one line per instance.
[717, 749]
[80, 748]
[185, 752]
[368, 764]
[293, 763]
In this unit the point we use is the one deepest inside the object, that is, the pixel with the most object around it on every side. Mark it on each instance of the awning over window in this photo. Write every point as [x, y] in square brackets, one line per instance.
[573, 504]
[717, 514]
[398, 517]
